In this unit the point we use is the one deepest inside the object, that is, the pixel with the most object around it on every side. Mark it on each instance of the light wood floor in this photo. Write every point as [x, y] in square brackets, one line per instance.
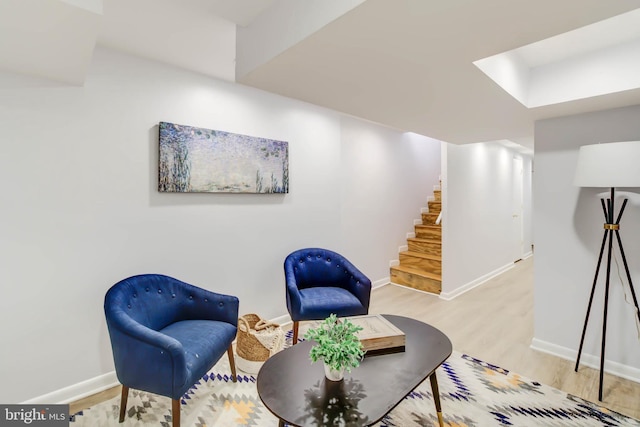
[493, 322]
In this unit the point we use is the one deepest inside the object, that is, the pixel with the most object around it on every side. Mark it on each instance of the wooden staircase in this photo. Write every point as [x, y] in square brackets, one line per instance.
[421, 266]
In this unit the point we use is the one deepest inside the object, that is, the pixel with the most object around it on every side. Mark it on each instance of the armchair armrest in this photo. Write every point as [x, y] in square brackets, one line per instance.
[141, 353]
[359, 284]
[293, 293]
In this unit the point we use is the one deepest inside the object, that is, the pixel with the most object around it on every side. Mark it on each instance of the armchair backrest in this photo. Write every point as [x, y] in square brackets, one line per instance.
[156, 301]
[313, 267]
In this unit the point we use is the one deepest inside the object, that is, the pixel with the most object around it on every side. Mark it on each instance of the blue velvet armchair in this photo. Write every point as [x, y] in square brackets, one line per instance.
[321, 282]
[166, 334]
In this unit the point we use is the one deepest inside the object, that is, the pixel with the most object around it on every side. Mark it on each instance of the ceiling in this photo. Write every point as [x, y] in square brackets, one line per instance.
[407, 64]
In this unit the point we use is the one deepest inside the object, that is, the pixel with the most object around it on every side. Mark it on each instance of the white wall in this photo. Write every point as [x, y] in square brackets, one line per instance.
[568, 235]
[478, 237]
[80, 209]
[527, 182]
[387, 176]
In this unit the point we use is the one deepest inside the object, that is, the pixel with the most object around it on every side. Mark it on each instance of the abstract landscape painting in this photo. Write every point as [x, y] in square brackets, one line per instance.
[196, 160]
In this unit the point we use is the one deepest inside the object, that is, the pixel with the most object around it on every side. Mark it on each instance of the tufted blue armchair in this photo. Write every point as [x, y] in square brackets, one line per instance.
[166, 334]
[321, 282]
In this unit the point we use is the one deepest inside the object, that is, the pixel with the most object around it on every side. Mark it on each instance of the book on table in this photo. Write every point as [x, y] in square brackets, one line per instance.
[378, 335]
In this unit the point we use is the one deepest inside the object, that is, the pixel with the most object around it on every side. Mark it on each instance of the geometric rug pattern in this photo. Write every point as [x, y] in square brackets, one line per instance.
[473, 394]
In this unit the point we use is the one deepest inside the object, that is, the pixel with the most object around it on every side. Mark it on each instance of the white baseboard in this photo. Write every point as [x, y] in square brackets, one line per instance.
[394, 262]
[590, 360]
[380, 283]
[281, 320]
[77, 391]
[403, 248]
[413, 289]
[424, 210]
[475, 283]
[411, 235]
[527, 255]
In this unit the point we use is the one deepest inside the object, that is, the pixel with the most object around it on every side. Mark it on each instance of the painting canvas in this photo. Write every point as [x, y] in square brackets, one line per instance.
[196, 160]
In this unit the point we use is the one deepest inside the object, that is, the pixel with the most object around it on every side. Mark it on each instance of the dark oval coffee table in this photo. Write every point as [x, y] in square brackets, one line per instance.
[296, 392]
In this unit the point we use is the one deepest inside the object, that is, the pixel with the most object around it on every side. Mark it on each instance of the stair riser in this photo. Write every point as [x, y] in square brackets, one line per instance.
[438, 195]
[416, 282]
[429, 233]
[435, 207]
[429, 265]
[429, 218]
[425, 247]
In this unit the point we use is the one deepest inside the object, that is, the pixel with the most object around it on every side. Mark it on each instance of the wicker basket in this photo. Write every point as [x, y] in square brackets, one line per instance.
[257, 340]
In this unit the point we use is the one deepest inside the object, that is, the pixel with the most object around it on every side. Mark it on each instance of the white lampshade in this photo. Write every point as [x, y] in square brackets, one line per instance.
[613, 164]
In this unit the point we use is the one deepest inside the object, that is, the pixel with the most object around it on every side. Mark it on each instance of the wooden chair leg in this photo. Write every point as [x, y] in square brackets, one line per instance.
[436, 398]
[232, 363]
[175, 412]
[294, 340]
[123, 402]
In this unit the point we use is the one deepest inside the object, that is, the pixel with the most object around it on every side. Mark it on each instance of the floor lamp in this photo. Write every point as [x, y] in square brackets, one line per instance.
[610, 165]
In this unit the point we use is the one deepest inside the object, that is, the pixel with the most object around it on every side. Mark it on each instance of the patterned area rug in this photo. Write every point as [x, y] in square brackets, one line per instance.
[473, 393]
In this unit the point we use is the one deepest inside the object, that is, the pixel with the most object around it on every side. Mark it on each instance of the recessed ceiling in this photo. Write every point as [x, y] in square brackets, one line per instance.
[593, 60]
[409, 65]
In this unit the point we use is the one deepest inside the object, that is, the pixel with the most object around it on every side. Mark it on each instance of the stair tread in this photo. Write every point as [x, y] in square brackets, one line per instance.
[429, 226]
[419, 239]
[417, 271]
[422, 255]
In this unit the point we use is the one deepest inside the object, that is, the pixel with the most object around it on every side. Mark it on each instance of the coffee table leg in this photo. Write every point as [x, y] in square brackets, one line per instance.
[436, 397]
[280, 423]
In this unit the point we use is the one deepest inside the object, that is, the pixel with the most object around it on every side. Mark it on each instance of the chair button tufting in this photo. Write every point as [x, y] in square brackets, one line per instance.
[328, 259]
[159, 291]
[190, 296]
[147, 289]
[206, 300]
[220, 303]
[135, 295]
[173, 295]
[128, 305]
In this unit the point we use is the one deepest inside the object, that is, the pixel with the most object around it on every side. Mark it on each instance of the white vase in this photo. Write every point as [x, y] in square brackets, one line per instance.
[332, 374]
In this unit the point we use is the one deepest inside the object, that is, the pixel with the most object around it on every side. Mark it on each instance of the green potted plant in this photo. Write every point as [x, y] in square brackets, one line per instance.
[337, 345]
